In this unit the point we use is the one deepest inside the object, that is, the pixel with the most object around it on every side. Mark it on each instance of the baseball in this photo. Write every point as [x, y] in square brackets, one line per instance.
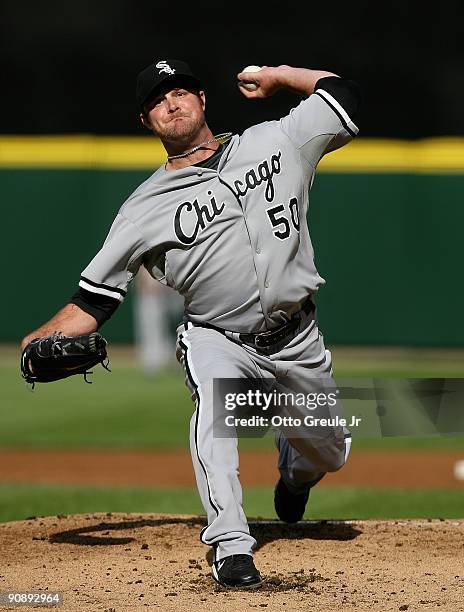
[249, 85]
[459, 470]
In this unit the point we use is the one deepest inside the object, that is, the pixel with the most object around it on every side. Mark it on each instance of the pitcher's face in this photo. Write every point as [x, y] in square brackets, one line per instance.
[176, 114]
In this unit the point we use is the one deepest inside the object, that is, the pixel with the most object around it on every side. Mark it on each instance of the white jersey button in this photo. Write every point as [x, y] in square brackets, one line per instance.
[200, 172]
[258, 250]
[266, 284]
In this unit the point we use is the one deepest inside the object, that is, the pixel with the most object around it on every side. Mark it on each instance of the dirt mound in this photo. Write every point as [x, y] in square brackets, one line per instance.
[120, 562]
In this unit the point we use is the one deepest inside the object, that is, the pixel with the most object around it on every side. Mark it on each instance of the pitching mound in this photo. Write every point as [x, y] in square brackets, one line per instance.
[119, 562]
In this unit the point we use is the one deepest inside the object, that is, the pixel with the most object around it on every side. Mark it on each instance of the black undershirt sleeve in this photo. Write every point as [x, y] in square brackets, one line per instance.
[346, 92]
[101, 307]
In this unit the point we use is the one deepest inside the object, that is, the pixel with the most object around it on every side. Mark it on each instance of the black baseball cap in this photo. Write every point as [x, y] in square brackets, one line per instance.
[160, 72]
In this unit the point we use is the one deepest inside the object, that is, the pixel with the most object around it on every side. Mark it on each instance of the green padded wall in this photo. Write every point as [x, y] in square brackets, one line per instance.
[388, 245]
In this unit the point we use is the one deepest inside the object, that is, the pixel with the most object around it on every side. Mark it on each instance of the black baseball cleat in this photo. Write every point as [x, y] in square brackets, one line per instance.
[290, 507]
[237, 571]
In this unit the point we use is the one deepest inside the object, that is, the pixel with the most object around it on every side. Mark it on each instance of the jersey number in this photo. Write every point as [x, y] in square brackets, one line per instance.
[279, 219]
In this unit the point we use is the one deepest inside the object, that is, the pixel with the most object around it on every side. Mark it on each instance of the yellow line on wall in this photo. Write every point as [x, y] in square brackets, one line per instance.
[80, 151]
[432, 155]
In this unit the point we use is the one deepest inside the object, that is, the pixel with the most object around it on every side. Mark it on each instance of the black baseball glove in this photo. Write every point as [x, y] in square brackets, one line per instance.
[56, 357]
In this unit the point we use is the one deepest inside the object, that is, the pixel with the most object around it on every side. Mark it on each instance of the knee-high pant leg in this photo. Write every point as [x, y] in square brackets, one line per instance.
[308, 367]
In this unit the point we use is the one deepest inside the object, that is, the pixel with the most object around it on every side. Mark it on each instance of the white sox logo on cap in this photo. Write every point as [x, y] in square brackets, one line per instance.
[165, 67]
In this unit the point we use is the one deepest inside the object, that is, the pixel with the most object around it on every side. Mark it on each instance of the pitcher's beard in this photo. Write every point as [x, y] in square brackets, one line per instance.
[182, 133]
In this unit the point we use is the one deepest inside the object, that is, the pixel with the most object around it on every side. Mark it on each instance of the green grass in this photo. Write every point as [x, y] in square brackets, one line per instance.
[121, 409]
[19, 501]
[128, 409]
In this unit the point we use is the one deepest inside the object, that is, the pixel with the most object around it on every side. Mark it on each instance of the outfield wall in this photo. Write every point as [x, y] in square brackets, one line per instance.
[386, 219]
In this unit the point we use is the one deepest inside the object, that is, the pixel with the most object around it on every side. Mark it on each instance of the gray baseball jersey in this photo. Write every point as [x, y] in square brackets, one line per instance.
[233, 241]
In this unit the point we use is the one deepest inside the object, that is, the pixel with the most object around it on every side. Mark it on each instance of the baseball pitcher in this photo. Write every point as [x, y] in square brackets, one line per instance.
[223, 222]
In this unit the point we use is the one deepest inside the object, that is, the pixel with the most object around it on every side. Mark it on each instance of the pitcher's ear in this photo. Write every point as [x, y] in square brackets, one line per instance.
[145, 121]
[202, 96]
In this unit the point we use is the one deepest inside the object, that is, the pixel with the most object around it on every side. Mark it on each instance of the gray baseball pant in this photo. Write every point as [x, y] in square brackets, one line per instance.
[206, 354]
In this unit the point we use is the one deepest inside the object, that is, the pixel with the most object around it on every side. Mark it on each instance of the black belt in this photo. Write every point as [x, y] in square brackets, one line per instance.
[271, 337]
